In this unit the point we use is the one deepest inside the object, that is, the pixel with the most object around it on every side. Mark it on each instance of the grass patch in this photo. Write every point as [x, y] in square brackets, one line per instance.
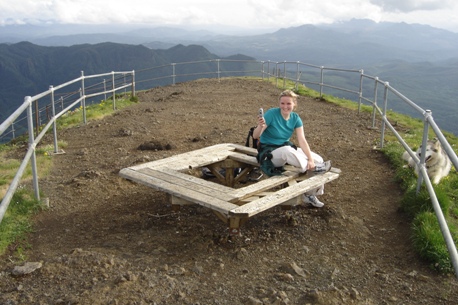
[427, 237]
[95, 111]
[16, 223]
[429, 242]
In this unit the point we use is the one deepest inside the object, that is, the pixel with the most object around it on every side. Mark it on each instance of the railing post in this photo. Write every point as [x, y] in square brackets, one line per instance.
[83, 98]
[81, 106]
[104, 90]
[360, 100]
[173, 73]
[298, 75]
[114, 89]
[133, 83]
[12, 130]
[374, 106]
[321, 81]
[424, 141]
[268, 70]
[124, 82]
[385, 107]
[218, 71]
[32, 147]
[54, 127]
[284, 75]
[37, 116]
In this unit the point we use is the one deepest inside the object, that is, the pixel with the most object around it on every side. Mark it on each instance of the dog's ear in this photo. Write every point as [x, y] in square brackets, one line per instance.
[437, 143]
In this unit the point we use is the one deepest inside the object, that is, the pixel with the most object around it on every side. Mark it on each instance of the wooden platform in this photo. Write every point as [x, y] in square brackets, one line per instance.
[232, 205]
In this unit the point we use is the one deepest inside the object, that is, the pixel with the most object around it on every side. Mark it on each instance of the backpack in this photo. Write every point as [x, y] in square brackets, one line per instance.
[254, 175]
[253, 140]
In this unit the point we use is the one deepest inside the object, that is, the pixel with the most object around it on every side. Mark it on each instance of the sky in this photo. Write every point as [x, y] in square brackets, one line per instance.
[247, 14]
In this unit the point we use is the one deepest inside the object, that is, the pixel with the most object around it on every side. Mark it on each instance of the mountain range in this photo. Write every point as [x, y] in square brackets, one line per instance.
[418, 60]
[29, 69]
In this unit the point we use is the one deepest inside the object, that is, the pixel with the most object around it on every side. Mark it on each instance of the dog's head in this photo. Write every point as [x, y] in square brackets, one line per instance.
[433, 148]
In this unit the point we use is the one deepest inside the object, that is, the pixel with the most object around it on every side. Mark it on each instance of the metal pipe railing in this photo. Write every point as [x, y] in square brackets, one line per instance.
[296, 71]
[32, 142]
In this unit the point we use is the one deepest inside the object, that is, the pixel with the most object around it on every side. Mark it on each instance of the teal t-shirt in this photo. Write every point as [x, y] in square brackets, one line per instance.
[278, 129]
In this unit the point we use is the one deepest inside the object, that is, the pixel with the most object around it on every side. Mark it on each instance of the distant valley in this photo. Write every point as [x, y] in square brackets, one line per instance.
[419, 61]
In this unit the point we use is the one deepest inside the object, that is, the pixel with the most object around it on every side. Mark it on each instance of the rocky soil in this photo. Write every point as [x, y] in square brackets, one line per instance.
[106, 240]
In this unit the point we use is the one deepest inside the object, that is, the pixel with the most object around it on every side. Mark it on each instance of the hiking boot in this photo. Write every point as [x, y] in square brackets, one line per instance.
[322, 168]
[312, 200]
[255, 174]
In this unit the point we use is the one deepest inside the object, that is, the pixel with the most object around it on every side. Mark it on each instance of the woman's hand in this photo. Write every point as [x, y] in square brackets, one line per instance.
[310, 164]
[259, 128]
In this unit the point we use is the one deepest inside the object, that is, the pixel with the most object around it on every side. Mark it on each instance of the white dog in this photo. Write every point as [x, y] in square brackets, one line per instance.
[437, 162]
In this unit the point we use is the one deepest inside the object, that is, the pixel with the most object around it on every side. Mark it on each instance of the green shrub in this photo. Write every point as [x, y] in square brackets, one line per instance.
[16, 222]
[429, 242]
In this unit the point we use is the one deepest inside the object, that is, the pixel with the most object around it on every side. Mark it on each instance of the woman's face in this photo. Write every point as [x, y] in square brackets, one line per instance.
[286, 105]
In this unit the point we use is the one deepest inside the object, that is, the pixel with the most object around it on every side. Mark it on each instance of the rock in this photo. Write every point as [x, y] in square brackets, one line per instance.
[253, 301]
[155, 146]
[285, 277]
[198, 269]
[354, 293]
[131, 277]
[293, 268]
[89, 174]
[242, 253]
[28, 267]
[125, 132]
[312, 297]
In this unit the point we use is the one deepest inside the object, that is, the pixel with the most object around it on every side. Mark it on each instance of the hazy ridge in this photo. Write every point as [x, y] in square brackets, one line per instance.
[418, 60]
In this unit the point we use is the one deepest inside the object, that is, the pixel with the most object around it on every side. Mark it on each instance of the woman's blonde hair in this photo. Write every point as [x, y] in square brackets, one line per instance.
[291, 94]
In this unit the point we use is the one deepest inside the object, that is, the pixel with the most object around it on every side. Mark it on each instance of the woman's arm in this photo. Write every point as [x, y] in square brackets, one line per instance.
[304, 145]
[257, 132]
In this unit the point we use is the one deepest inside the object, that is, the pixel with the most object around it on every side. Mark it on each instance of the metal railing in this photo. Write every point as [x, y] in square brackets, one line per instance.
[353, 83]
[85, 92]
[427, 118]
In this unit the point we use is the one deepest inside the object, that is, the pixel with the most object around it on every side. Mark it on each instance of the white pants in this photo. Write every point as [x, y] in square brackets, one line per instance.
[288, 155]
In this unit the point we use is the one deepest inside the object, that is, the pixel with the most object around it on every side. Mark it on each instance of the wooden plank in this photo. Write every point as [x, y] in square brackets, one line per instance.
[198, 182]
[178, 191]
[179, 201]
[243, 158]
[245, 150]
[196, 158]
[190, 182]
[263, 185]
[295, 200]
[283, 195]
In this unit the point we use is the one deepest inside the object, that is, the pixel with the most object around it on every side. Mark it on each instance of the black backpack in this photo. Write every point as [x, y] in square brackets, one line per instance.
[250, 136]
[208, 174]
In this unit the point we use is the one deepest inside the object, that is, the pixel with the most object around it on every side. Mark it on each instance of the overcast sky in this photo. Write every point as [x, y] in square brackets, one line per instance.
[252, 14]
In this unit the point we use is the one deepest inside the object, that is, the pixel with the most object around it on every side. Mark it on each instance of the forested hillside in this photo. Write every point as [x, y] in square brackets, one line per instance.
[28, 69]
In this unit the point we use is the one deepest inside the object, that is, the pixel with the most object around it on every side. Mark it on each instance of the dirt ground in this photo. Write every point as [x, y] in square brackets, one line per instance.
[106, 240]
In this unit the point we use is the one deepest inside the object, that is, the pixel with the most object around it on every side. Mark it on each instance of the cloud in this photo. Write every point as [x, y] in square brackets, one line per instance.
[413, 5]
[249, 14]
